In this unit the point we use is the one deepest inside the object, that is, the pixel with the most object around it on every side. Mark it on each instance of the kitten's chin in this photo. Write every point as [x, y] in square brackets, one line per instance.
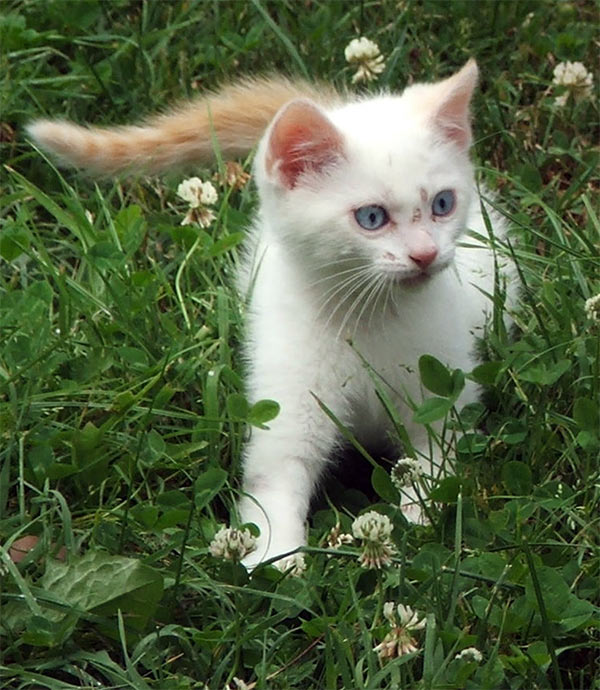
[414, 281]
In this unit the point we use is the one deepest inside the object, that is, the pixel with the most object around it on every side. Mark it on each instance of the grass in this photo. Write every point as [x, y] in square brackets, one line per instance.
[121, 417]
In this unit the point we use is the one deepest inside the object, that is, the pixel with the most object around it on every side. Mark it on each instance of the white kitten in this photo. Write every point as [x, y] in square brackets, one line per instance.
[362, 206]
[353, 257]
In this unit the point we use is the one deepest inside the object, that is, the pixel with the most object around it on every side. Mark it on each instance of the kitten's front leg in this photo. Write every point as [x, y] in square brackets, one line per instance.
[283, 464]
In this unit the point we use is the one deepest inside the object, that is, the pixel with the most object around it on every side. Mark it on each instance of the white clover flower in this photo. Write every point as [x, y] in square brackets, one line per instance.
[201, 216]
[470, 654]
[592, 308]
[337, 538]
[405, 472]
[374, 530]
[190, 191]
[199, 195]
[365, 54]
[403, 616]
[232, 544]
[294, 565]
[579, 513]
[196, 192]
[361, 49]
[403, 621]
[239, 684]
[561, 101]
[208, 195]
[527, 20]
[372, 526]
[577, 80]
[233, 176]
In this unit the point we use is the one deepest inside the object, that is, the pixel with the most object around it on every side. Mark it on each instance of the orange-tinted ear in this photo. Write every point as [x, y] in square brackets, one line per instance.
[302, 139]
[452, 115]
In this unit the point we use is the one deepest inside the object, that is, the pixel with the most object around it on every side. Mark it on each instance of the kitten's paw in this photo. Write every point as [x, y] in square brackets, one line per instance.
[414, 513]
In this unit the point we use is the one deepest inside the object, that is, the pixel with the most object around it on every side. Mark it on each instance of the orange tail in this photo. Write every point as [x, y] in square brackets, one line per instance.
[235, 116]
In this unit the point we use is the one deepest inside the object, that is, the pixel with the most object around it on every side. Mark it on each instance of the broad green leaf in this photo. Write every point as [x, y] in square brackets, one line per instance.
[123, 401]
[263, 411]
[577, 614]
[42, 632]
[458, 383]
[40, 458]
[13, 241]
[530, 177]
[435, 376]
[58, 470]
[237, 406]
[156, 442]
[471, 444]
[130, 227]
[171, 518]
[554, 590]
[85, 441]
[516, 477]
[432, 410]
[105, 255]
[318, 626]
[538, 652]
[146, 514]
[208, 485]
[382, 483]
[480, 606]
[173, 498]
[586, 413]
[588, 440]
[226, 243]
[514, 432]
[134, 356]
[543, 374]
[101, 583]
[446, 491]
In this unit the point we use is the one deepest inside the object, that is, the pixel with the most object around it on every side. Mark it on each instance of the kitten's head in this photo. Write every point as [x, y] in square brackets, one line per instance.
[384, 182]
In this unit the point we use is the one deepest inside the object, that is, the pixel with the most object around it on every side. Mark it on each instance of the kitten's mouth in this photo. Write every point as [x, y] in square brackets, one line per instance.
[413, 280]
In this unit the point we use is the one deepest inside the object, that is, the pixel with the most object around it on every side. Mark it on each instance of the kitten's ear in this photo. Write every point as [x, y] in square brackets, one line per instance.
[452, 114]
[302, 139]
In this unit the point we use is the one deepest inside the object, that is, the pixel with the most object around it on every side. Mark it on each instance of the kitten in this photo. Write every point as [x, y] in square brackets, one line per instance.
[354, 256]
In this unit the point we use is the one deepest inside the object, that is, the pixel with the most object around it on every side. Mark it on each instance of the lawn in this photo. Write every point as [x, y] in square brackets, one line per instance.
[122, 409]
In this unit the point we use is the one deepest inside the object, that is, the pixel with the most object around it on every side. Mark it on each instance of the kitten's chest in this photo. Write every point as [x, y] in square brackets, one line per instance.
[439, 321]
[390, 354]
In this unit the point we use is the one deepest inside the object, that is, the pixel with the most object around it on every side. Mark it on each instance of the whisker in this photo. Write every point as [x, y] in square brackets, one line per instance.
[365, 290]
[379, 291]
[370, 301]
[333, 276]
[389, 288]
[346, 284]
[357, 286]
[367, 300]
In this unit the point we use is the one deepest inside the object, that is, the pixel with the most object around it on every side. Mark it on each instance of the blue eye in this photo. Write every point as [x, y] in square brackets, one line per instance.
[443, 203]
[371, 217]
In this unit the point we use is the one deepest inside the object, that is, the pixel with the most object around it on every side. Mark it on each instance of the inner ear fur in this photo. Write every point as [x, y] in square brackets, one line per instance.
[302, 139]
[452, 115]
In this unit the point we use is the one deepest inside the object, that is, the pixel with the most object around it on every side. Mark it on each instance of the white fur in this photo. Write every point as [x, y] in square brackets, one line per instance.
[302, 315]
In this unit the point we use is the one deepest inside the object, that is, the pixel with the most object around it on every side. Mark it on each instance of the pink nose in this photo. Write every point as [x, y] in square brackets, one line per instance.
[424, 257]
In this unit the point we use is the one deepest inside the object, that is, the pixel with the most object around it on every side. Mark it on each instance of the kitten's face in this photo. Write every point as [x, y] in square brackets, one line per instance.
[396, 201]
[397, 204]
[383, 185]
